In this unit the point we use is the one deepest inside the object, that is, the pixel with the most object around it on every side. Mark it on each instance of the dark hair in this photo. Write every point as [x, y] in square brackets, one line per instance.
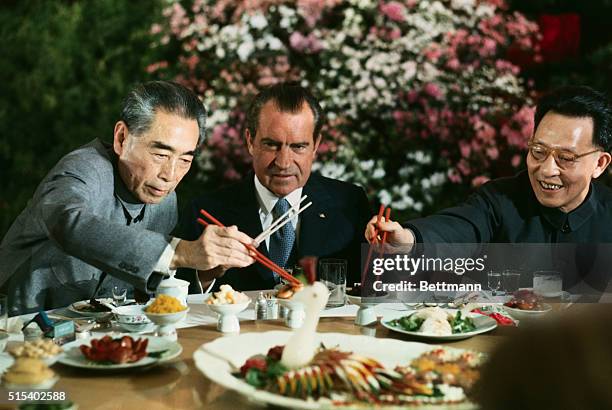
[580, 101]
[141, 103]
[288, 97]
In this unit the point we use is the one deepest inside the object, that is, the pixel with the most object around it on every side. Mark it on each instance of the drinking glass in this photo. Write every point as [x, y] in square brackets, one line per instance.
[3, 312]
[511, 280]
[548, 283]
[332, 272]
[119, 295]
[493, 281]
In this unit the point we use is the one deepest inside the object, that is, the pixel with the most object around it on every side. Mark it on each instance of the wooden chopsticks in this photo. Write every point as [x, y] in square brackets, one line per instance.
[259, 257]
[383, 239]
[280, 222]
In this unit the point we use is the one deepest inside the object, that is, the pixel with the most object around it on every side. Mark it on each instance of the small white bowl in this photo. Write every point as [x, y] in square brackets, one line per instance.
[132, 314]
[521, 314]
[228, 322]
[137, 327]
[229, 308]
[46, 385]
[163, 319]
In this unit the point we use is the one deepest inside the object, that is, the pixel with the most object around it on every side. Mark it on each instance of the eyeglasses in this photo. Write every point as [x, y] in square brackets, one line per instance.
[564, 158]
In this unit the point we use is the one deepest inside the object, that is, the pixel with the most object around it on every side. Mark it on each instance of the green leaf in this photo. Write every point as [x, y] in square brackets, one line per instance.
[254, 377]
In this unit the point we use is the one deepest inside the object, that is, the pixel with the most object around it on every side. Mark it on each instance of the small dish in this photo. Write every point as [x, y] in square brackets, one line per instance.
[147, 327]
[228, 322]
[521, 314]
[84, 308]
[166, 322]
[132, 314]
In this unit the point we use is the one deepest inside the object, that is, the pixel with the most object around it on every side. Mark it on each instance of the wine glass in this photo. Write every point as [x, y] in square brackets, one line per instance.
[119, 295]
[493, 281]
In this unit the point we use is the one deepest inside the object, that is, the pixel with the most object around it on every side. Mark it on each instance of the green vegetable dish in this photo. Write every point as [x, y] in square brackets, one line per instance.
[413, 323]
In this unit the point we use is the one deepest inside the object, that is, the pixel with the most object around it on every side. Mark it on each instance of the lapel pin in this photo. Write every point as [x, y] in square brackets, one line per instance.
[321, 215]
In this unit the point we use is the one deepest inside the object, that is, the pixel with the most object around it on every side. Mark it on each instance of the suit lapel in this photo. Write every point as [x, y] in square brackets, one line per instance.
[315, 223]
[245, 213]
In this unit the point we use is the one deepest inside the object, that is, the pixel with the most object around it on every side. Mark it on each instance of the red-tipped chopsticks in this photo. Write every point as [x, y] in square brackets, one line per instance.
[387, 213]
[259, 257]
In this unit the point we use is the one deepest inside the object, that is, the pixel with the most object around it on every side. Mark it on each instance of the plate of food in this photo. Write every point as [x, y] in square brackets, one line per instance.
[525, 304]
[440, 324]
[121, 352]
[347, 371]
[103, 308]
[43, 349]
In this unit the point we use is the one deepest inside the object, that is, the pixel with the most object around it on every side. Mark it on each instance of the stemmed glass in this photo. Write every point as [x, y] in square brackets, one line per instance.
[493, 281]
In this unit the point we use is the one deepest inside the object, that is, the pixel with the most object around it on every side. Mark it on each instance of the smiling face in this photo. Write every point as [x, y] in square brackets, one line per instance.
[152, 164]
[283, 148]
[567, 188]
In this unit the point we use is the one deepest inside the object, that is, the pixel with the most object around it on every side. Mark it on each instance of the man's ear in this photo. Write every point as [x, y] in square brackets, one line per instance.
[316, 145]
[119, 137]
[602, 163]
[249, 140]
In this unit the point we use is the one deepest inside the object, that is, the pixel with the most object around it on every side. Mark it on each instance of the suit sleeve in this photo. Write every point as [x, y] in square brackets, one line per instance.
[474, 221]
[364, 213]
[67, 216]
[190, 230]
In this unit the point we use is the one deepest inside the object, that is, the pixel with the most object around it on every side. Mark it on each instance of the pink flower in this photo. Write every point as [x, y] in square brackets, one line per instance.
[516, 161]
[465, 149]
[432, 90]
[393, 10]
[493, 153]
[453, 64]
[308, 45]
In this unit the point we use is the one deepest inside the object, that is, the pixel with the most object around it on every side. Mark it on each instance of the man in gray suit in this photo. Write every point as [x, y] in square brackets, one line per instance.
[109, 209]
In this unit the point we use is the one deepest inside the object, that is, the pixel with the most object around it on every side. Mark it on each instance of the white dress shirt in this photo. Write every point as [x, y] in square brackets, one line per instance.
[267, 200]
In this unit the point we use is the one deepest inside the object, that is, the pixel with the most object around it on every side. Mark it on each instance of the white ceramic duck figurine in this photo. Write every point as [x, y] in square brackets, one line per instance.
[301, 346]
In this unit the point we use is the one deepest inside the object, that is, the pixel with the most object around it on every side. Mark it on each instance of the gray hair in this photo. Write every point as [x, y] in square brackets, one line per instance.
[141, 103]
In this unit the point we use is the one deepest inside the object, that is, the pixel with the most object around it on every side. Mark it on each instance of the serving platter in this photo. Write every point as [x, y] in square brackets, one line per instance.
[73, 357]
[483, 324]
[220, 359]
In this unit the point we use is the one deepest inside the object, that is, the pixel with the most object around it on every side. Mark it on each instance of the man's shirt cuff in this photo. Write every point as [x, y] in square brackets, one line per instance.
[163, 264]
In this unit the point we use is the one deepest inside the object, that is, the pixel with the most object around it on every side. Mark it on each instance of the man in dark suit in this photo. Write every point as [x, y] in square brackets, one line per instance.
[283, 133]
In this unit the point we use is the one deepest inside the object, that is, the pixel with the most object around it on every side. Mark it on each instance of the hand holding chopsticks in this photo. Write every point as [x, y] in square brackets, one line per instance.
[217, 247]
[259, 257]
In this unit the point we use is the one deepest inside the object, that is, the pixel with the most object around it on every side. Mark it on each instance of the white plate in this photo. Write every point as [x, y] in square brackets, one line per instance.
[73, 357]
[76, 305]
[214, 358]
[483, 324]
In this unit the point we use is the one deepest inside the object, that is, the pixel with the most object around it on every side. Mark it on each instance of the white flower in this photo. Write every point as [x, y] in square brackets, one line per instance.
[384, 196]
[258, 21]
[244, 50]
[378, 173]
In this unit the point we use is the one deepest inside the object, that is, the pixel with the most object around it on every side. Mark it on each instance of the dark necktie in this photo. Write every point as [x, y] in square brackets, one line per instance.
[281, 242]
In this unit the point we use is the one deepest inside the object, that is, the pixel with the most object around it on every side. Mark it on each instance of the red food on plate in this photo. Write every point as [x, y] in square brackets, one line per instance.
[525, 300]
[117, 351]
[499, 318]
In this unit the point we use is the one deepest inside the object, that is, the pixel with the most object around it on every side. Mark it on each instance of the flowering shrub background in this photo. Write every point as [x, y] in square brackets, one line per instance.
[420, 95]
